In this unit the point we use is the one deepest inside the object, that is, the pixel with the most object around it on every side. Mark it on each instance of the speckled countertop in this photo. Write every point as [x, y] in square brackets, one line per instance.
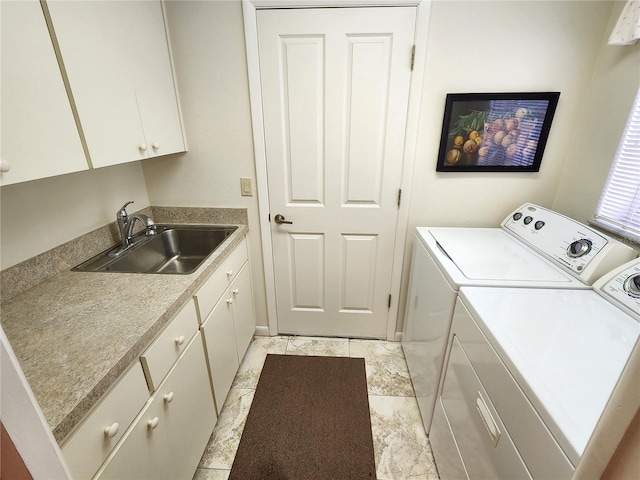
[75, 333]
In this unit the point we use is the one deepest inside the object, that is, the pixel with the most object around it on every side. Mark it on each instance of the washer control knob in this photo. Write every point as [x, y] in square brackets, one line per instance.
[539, 224]
[632, 285]
[528, 220]
[579, 248]
[517, 216]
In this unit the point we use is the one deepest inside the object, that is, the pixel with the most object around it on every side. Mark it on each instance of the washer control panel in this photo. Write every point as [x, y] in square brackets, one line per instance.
[622, 285]
[564, 240]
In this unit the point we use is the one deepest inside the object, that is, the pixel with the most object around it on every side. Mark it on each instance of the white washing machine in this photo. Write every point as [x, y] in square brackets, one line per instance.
[533, 247]
[529, 373]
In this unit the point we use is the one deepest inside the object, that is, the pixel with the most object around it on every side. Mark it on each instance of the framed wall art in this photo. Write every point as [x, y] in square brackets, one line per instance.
[495, 132]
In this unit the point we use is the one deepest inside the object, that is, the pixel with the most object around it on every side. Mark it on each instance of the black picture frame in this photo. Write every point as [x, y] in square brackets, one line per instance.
[495, 132]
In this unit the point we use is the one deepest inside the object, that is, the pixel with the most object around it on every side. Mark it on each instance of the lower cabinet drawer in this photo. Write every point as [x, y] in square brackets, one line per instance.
[163, 352]
[169, 436]
[88, 446]
[484, 443]
[210, 292]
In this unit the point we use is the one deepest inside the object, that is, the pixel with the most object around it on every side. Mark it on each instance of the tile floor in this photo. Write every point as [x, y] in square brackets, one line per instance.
[401, 446]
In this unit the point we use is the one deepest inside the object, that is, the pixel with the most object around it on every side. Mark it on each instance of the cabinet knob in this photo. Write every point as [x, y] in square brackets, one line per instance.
[155, 145]
[230, 273]
[180, 340]
[112, 430]
[235, 291]
[168, 397]
[153, 423]
[4, 166]
[229, 301]
[142, 147]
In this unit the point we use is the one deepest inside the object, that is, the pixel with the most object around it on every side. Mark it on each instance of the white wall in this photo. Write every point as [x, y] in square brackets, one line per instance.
[496, 46]
[39, 215]
[599, 126]
[207, 39]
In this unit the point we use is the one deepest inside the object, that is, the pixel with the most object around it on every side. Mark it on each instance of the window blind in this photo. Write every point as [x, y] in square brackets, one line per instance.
[619, 206]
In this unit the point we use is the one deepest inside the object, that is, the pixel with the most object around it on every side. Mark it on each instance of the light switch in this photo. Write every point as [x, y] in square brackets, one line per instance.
[245, 187]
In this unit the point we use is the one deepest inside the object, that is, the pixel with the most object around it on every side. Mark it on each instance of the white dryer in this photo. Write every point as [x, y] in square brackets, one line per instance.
[533, 247]
[529, 373]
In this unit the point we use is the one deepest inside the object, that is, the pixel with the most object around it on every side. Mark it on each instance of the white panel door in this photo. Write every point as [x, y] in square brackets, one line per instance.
[335, 88]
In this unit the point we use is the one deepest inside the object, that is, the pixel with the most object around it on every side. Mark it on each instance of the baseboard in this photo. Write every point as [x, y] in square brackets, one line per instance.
[262, 331]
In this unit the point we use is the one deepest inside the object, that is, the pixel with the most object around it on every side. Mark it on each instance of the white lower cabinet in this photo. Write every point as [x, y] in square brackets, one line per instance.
[219, 335]
[225, 307]
[227, 331]
[131, 435]
[244, 317]
[86, 449]
[169, 436]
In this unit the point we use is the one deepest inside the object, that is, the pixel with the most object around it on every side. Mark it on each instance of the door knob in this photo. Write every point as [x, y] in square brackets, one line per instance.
[280, 219]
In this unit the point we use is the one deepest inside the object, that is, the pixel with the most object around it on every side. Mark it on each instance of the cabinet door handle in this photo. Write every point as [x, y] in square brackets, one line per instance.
[142, 147]
[155, 145]
[180, 340]
[153, 423]
[4, 166]
[487, 418]
[235, 291]
[229, 301]
[230, 273]
[112, 430]
[168, 397]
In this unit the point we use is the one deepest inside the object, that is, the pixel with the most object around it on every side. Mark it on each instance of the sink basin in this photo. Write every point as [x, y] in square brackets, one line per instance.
[174, 249]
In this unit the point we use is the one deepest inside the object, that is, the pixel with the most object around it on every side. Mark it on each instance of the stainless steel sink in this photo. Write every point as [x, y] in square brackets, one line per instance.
[174, 249]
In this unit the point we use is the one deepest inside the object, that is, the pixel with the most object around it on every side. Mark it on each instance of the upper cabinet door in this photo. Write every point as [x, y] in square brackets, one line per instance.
[116, 57]
[39, 134]
[154, 81]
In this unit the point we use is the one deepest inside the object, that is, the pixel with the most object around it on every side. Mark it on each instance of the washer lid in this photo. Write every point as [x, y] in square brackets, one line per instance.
[565, 348]
[492, 254]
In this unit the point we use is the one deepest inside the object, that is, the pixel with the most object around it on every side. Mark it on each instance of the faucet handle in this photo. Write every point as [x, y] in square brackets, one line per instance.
[122, 213]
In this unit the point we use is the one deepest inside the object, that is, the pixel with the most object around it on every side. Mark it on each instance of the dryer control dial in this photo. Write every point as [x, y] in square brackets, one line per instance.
[579, 248]
[632, 285]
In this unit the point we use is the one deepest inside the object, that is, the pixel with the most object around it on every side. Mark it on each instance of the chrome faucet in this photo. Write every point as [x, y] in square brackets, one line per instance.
[126, 223]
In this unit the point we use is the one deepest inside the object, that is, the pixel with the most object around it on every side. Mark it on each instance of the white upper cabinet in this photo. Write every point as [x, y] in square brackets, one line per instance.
[39, 137]
[116, 57]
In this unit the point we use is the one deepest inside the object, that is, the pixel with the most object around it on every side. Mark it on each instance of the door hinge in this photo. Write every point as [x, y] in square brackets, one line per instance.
[413, 56]
[399, 197]
[389, 303]
[269, 218]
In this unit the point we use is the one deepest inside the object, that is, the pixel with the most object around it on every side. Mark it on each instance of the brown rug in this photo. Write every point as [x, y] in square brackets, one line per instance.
[309, 420]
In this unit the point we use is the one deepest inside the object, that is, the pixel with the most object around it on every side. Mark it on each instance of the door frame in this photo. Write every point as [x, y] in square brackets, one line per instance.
[249, 12]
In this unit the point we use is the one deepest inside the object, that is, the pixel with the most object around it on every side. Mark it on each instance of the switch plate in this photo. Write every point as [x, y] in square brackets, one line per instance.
[246, 189]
